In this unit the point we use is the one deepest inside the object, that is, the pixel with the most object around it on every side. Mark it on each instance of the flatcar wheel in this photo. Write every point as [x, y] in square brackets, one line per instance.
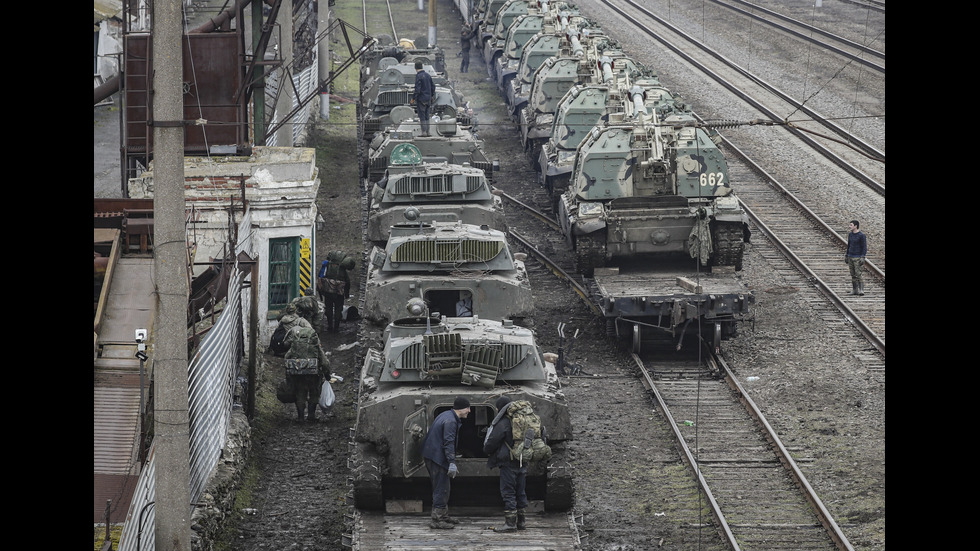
[636, 338]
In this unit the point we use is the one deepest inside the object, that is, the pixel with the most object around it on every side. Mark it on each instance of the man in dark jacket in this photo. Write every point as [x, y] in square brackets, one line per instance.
[422, 97]
[497, 445]
[439, 452]
[464, 43]
[335, 287]
[857, 249]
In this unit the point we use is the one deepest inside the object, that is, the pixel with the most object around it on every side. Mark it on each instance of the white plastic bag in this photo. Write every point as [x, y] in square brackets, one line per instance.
[326, 395]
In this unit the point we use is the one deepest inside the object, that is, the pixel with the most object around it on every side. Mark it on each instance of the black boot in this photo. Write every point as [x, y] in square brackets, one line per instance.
[311, 413]
[860, 288]
[510, 522]
[299, 412]
[438, 522]
[521, 519]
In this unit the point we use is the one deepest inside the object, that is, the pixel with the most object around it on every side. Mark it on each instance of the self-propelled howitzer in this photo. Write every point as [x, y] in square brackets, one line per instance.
[642, 187]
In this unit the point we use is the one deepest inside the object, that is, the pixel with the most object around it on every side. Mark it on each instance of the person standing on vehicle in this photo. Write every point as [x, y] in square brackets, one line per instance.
[335, 287]
[513, 476]
[439, 453]
[857, 249]
[423, 96]
[304, 344]
[464, 43]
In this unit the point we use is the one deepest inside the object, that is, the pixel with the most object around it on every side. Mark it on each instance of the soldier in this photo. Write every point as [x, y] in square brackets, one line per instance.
[304, 344]
[308, 307]
[513, 476]
[335, 286]
[439, 452]
[287, 320]
[464, 42]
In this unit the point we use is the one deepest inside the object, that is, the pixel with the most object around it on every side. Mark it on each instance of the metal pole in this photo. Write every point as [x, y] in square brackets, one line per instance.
[258, 90]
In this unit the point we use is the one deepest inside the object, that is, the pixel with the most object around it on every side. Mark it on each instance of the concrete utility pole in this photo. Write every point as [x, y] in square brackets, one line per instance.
[432, 23]
[171, 423]
[323, 58]
[284, 136]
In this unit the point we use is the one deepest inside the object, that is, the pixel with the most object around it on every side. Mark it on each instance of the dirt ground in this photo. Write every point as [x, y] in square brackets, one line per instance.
[632, 492]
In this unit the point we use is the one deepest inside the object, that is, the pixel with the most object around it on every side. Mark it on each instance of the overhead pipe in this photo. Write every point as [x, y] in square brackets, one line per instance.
[114, 83]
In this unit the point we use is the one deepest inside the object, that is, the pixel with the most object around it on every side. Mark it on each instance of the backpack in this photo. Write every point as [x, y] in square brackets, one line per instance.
[522, 420]
[277, 343]
[336, 260]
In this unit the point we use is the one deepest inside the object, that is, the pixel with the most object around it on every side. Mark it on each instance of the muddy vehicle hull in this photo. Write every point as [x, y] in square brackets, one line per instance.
[424, 365]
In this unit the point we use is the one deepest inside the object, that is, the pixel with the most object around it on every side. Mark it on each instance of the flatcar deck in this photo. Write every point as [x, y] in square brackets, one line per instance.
[378, 530]
[638, 295]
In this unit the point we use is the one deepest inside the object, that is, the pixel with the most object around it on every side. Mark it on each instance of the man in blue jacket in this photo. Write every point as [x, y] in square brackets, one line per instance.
[439, 452]
[857, 249]
[422, 97]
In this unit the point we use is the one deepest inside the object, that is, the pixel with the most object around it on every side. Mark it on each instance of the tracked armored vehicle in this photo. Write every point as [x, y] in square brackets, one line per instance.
[386, 52]
[642, 188]
[580, 109]
[439, 261]
[430, 192]
[495, 43]
[392, 89]
[561, 38]
[450, 142]
[424, 365]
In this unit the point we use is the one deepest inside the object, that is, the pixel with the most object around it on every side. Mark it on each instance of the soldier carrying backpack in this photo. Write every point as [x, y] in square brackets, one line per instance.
[305, 364]
[510, 444]
[333, 282]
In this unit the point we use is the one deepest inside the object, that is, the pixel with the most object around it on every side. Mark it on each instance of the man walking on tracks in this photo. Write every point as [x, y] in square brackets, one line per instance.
[305, 364]
[439, 452]
[497, 446]
[857, 249]
[335, 286]
[423, 96]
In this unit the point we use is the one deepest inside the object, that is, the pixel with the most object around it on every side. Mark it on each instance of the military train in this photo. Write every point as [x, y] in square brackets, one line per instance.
[631, 174]
[452, 300]
[630, 170]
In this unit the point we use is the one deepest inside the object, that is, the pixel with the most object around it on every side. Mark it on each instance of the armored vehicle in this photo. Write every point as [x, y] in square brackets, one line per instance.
[450, 142]
[424, 365]
[639, 187]
[386, 51]
[429, 192]
[518, 35]
[438, 262]
[393, 87]
[580, 109]
[493, 46]
[561, 39]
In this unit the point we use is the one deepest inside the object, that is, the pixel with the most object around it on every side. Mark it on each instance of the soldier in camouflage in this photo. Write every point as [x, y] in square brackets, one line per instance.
[308, 307]
[287, 320]
[304, 344]
[335, 287]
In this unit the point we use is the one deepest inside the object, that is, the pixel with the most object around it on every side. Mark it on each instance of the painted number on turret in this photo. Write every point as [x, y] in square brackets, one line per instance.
[712, 179]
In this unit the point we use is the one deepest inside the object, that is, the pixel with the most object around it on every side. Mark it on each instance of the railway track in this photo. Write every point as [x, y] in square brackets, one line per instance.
[757, 496]
[860, 159]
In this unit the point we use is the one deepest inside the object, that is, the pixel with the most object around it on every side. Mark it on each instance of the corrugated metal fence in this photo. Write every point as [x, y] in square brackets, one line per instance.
[211, 382]
[306, 84]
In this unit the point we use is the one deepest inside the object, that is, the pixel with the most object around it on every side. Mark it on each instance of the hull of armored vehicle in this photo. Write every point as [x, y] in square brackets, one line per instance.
[405, 386]
[433, 192]
[439, 263]
[450, 143]
[641, 189]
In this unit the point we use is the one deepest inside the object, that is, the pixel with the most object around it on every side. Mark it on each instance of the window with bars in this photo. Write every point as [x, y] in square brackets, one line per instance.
[282, 271]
